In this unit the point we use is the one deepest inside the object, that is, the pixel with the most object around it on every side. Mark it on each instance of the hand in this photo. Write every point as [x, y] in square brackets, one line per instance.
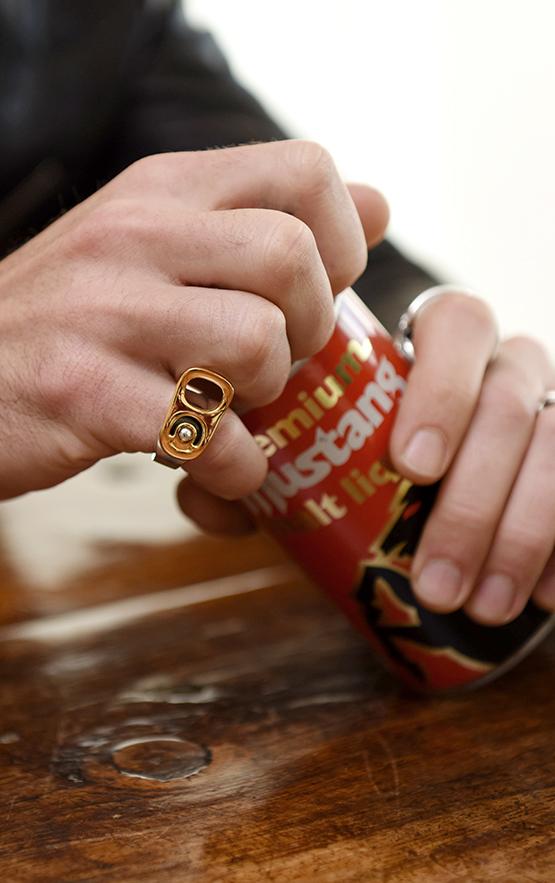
[226, 259]
[474, 423]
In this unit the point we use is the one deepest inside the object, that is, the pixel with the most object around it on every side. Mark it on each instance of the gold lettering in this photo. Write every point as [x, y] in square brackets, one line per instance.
[352, 490]
[329, 399]
[318, 513]
[355, 351]
[327, 395]
[289, 425]
[363, 482]
[267, 446]
[380, 474]
[310, 405]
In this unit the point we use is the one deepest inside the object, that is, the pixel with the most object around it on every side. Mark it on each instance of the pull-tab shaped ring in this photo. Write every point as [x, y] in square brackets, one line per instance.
[193, 416]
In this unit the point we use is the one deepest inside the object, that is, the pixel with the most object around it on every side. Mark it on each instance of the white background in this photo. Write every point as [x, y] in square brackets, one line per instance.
[447, 106]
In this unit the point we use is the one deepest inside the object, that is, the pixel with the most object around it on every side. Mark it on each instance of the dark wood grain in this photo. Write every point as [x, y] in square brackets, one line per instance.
[250, 736]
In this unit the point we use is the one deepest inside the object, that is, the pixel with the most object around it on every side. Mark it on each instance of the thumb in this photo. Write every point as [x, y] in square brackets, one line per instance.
[373, 211]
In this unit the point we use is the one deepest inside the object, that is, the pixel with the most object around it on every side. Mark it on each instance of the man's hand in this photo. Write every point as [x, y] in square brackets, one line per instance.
[473, 421]
[226, 259]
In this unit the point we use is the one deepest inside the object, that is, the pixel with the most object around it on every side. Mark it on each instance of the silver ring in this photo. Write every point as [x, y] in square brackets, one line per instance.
[402, 338]
[547, 400]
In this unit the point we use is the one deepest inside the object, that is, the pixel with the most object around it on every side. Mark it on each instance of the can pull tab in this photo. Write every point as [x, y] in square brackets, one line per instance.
[200, 401]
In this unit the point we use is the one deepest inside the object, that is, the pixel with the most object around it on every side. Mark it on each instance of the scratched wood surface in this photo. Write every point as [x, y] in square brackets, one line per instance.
[191, 709]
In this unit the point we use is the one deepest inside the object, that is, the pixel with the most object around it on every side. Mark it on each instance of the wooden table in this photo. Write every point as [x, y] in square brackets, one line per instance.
[178, 708]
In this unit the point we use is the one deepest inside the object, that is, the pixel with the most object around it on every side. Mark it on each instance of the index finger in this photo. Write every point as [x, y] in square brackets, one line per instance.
[454, 338]
[295, 177]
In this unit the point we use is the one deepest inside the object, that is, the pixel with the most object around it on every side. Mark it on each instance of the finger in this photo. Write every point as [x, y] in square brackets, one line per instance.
[454, 337]
[473, 495]
[121, 407]
[235, 333]
[373, 212]
[265, 252]
[525, 537]
[110, 403]
[232, 466]
[296, 177]
[212, 514]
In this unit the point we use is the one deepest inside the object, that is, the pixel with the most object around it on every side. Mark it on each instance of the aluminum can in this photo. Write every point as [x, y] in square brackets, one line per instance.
[333, 500]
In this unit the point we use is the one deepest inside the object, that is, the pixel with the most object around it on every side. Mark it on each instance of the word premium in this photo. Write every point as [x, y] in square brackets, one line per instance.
[330, 448]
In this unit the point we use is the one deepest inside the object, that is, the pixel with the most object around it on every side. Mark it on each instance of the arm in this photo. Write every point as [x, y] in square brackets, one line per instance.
[134, 81]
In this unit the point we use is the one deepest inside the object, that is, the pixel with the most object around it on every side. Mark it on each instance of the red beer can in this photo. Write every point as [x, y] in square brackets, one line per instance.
[333, 501]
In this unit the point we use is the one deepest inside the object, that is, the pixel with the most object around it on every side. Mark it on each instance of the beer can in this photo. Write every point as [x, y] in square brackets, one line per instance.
[333, 500]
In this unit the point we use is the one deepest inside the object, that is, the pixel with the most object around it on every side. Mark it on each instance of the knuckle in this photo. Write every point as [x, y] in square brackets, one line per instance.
[264, 354]
[313, 164]
[322, 325]
[526, 342]
[260, 336]
[510, 402]
[358, 262]
[316, 180]
[457, 309]
[162, 172]
[148, 171]
[462, 520]
[467, 305]
[453, 401]
[530, 348]
[290, 250]
[295, 266]
[522, 549]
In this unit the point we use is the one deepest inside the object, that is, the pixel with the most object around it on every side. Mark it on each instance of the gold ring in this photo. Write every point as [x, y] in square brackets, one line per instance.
[199, 402]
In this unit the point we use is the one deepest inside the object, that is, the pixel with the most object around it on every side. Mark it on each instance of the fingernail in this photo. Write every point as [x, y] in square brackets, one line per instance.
[426, 452]
[494, 598]
[439, 583]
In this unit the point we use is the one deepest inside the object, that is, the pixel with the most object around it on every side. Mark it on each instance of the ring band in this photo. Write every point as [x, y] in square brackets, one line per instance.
[402, 338]
[547, 400]
[189, 425]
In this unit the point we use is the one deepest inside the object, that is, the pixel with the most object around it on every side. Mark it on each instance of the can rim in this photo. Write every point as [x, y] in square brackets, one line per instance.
[499, 670]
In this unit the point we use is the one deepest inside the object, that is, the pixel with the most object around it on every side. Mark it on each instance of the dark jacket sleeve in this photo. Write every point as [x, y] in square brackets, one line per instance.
[181, 95]
[115, 82]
